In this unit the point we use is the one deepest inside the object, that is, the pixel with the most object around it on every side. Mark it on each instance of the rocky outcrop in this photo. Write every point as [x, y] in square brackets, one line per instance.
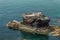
[35, 23]
[28, 29]
[14, 24]
[36, 19]
[52, 30]
[56, 31]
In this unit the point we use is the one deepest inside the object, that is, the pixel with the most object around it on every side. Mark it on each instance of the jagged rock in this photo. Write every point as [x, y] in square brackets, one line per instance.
[13, 23]
[37, 19]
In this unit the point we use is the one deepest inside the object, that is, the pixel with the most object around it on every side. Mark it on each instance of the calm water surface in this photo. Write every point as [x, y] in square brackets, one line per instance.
[14, 9]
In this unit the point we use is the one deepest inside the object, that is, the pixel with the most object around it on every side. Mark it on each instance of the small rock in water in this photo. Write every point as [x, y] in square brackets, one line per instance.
[57, 20]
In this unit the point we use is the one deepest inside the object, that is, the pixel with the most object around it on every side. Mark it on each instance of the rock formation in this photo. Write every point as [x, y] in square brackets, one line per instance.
[36, 19]
[14, 23]
[35, 23]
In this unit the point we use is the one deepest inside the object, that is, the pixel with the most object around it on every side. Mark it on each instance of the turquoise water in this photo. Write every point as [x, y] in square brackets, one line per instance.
[14, 9]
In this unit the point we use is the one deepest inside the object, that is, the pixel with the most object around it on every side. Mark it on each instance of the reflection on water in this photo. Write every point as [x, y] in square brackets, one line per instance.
[29, 36]
[10, 35]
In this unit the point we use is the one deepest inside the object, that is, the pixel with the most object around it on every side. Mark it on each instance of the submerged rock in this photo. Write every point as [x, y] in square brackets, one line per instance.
[57, 20]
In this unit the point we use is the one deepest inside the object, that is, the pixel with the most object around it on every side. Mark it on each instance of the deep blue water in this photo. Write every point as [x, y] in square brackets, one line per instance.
[14, 9]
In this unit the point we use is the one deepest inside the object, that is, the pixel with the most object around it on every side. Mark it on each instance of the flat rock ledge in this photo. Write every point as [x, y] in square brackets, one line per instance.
[53, 30]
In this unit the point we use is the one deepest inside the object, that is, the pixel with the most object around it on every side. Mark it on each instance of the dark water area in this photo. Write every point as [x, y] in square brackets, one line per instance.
[14, 9]
[29, 36]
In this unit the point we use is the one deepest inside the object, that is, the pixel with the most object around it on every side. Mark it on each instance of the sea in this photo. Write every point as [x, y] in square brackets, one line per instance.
[14, 9]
